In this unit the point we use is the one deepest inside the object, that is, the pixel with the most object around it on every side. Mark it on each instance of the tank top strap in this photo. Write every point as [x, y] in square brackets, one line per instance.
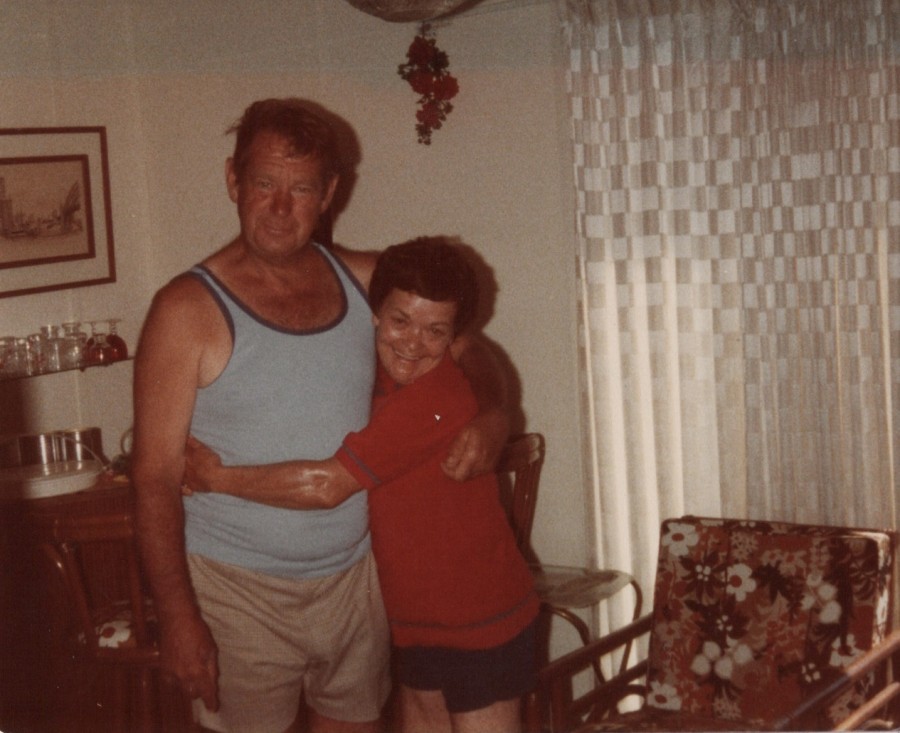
[233, 308]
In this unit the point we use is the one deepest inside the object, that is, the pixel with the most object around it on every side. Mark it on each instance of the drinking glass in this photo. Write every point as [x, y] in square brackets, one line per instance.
[119, 347]
[36, 353]
[20, 360]
[74, 341]
[8, 360]
[51, 349]
[99, 350]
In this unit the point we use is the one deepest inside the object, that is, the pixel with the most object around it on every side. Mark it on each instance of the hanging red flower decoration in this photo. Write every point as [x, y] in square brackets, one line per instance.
[426, 71]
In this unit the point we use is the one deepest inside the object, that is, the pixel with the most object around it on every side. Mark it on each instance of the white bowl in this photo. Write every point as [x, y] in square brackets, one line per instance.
[49, 479]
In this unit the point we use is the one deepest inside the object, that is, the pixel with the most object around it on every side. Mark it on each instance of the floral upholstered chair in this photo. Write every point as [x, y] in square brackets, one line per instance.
[753, 624]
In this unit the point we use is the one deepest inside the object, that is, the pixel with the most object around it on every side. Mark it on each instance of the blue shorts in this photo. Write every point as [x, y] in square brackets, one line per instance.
[471, 679]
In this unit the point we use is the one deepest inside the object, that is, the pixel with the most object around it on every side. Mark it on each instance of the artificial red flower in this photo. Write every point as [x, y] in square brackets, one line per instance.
[444, 87]
[422, 82]
[426, 71]
[430, 115]
[421, 51]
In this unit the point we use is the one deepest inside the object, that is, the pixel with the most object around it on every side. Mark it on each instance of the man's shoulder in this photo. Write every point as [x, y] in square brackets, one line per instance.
[184, 286]
[184, 295]
[184, 332]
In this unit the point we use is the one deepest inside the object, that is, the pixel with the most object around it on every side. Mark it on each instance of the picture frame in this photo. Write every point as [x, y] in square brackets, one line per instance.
[56, 227]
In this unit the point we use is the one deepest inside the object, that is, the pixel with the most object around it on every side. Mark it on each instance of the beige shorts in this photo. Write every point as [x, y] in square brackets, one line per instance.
[325, 638]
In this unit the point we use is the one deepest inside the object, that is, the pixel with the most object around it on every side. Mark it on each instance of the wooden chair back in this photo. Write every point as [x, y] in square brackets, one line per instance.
[520, 465]
[96, 560]
[110, 628]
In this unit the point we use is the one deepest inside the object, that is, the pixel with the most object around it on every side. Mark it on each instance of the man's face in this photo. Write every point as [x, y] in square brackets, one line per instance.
[412, 334]
[279, 197]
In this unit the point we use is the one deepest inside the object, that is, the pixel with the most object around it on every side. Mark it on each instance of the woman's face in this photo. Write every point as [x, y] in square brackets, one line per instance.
[412, 334]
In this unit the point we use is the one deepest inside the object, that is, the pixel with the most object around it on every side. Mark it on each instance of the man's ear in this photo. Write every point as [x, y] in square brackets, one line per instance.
[231, 180]
[330, 188]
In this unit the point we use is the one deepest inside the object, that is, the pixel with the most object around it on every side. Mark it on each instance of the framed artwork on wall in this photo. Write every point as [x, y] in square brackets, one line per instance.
[55, 215]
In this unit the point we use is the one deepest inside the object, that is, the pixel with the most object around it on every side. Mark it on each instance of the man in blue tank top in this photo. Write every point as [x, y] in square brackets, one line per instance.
[265, 352]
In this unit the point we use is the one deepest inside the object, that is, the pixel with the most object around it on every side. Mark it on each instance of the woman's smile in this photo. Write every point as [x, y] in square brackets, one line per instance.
[412, 334]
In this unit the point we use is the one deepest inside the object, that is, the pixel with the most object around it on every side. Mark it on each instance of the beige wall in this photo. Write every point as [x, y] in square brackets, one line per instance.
[166, 78]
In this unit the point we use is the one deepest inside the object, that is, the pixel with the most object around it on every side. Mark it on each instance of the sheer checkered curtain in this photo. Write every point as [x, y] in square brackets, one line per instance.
[737, 168]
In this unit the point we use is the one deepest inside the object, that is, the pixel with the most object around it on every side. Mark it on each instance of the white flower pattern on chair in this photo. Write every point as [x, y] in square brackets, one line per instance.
[751, 610]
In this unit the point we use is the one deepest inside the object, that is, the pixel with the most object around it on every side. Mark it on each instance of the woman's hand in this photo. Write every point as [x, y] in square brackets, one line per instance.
[200, 466]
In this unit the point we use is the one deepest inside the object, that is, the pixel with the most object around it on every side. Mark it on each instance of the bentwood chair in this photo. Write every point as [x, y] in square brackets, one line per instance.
[111, 629]
[519, 471]
[562, 589]
[755, 626]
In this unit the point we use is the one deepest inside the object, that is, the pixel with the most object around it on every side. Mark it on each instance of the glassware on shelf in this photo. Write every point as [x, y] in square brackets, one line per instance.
[51, 349]
[72, 355]
[117, 343]
[8, 358]
[35, 350]
[21, 359]
[56, 348]
[53, 354]
[99, 350]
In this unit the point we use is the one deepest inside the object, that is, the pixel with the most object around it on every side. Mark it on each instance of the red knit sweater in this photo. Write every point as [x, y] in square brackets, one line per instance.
[450, 571]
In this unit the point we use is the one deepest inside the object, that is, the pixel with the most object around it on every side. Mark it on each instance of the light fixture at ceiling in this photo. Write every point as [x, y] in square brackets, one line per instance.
[406, 11]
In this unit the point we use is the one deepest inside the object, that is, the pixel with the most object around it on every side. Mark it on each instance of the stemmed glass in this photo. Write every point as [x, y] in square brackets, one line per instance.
[119, 347]
[98, 349]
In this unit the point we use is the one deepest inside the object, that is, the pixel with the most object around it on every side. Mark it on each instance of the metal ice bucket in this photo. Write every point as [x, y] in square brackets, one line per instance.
[74, 444]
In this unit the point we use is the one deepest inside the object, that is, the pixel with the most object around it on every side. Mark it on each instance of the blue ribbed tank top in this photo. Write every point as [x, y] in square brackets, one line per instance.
[284, 395]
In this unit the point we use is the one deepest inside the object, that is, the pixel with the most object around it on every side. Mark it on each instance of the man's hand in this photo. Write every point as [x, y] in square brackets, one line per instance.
[478, 446]
[200, 463]
[189, 654]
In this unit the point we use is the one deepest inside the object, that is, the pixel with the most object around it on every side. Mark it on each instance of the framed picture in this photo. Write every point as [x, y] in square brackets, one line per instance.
[55, 217]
